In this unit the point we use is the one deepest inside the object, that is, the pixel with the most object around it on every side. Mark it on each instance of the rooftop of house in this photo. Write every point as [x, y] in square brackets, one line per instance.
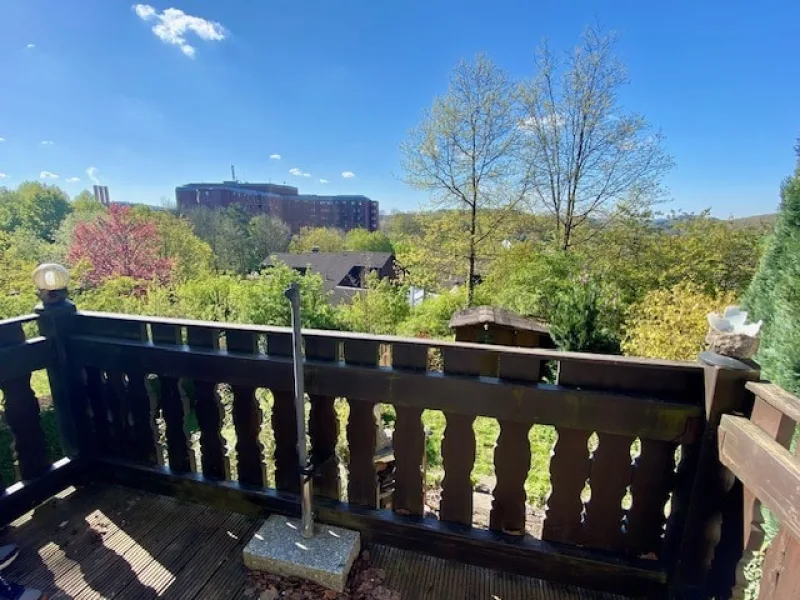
[334, 267]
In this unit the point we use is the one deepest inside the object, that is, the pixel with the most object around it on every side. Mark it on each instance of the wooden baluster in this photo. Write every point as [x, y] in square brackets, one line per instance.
[100, 420]
[458, 443]
[247, 417]
[569, 469]
[409, 437]
[284, 422]
[362, 485]
[323, 424]
[128, 428]
[653, 478]
[210, 413]
[512, 456]
[22, 414]
[175, 406]
[779, 427]
[780, 574]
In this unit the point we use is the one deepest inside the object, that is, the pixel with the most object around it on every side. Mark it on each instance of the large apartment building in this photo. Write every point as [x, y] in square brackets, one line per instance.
[282, 201]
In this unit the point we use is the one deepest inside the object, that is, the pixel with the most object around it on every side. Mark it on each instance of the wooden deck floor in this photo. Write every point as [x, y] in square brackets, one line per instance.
[111, 542]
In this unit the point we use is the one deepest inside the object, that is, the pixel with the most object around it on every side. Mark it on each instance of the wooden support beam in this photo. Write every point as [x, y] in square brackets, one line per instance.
[765, 467]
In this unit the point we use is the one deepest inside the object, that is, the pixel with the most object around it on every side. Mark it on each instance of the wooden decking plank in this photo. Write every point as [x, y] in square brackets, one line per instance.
[93, 560]
[229, 579]
[152, 556]
[51, 548]
[210, 551]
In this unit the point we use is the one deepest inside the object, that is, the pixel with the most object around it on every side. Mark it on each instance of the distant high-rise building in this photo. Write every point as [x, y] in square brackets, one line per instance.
[284, 202]
[101, 194]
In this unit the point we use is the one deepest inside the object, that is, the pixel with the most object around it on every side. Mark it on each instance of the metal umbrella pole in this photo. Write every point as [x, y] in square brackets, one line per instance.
[307, 527]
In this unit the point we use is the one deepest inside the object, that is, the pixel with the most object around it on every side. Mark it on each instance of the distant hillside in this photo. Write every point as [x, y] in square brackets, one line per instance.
[765, 221]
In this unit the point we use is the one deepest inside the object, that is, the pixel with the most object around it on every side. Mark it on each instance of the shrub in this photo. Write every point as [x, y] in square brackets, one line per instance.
[671, 323]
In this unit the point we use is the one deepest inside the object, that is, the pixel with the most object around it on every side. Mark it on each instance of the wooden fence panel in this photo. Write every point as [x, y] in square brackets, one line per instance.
[409, 439]
[284, 422]
[22, 414]
[247, 417]
[174, 406]
[323, 423]
[512, 456]
[362, 485]
[458, 444]
[214, 457]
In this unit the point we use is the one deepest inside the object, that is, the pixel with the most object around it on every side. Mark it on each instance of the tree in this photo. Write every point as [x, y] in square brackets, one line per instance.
[774, 294]
[586, 153]
[671, 323]
[118, 244]
[467, 152]
[577, 323]
[226, 231]
[379, 310]
[268, 235]
[361, 240]
[34, 206]
[323, 239]
[190, 256]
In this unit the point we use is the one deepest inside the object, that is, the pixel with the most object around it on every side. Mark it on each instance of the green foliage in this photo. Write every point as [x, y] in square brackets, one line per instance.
[379, 310]
[191, 257]
[577, 325]
[268, 235]
[530, 277]
[671, 323]
[361, 240]
[774, 294]
[431, 318]
[261, 299]
[324, 239]
[35, 207]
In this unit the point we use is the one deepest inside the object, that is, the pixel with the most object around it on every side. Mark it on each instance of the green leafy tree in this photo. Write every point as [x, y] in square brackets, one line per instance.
[261, 299]
[529, 278]
[587, 154]
[774, 294]
[467, 153]
[268, 235]
[323, 239]
[361, 240]
[671, 323]
[226, 232]
[34, 206]
[577, 322]
[191, 257]
[379, 310]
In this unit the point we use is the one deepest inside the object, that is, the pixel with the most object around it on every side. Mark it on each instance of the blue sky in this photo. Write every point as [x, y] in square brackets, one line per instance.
[333, 85]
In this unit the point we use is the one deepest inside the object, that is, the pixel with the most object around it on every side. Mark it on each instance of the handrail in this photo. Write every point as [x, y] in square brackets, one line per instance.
[540, 353]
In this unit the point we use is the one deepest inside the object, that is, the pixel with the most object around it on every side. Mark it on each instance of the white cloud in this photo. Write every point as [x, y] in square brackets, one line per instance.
[47, 143]
[31, 46]
[2, 139]
[299, 172]
[323, 181]
[73, 179]
[47, 175]
[348, 174]
[91, 172]
[4, 175]
[173, 25]
[275, 156]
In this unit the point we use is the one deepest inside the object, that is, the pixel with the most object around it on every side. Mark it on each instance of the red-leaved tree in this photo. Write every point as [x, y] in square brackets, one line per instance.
[115, 244]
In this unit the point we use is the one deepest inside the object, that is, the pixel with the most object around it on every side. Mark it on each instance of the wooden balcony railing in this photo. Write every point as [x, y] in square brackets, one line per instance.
[124, 386]
[757, 452]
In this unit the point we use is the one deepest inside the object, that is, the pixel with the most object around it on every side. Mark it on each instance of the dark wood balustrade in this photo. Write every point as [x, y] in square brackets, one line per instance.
[128, 384]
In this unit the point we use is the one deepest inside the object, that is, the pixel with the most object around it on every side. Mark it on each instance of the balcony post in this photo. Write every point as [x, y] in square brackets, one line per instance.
[56, 321]
[712, 540]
